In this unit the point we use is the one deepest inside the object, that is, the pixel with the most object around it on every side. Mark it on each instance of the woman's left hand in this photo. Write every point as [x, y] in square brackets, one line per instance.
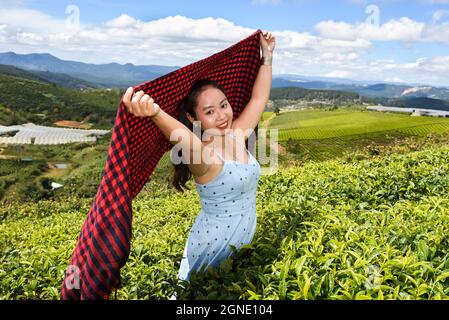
[267, 42]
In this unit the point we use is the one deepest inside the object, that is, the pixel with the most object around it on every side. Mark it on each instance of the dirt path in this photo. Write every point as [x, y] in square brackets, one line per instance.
[266, 124]
[2, 156]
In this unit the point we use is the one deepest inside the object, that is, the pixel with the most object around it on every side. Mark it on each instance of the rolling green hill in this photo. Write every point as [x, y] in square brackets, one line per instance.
[361, 212]
[295, 93]
[411, 102]
[342, 229]
[321, 135]
[422, 103]
[59, 79]
[316, 124]
[104, 75]
[30, 100]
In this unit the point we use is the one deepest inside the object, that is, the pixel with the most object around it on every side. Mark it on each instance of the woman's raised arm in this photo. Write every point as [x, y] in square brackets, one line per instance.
[252, 113]
[142, 105]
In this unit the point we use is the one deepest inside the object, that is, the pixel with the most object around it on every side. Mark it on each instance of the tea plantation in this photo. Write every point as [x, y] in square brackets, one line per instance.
[371, 225]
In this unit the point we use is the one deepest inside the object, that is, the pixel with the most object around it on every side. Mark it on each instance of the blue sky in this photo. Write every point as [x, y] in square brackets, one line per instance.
[409, 41]
[282, 15]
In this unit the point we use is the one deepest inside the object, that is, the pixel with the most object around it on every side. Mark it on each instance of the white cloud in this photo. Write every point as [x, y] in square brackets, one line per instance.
[403, 29]
[431, 71]
[171, 40]
[123, 21]
[437, 15]
[339, 74]
[306, 42]
[29, 38]
[422, 70]
[338, 49]
[437, 33]
[3, 32]
[27, 19]
[436, 64]
[394, 79]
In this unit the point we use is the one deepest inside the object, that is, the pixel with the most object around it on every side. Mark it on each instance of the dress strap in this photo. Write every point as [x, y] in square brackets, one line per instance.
[233, 137]
[230, 134]
[219, 155]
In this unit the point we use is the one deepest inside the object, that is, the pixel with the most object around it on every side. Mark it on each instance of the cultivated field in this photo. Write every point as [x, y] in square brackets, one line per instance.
[368, 221]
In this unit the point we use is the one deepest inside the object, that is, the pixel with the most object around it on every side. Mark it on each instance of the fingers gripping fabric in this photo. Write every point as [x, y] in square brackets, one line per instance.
[137, 144]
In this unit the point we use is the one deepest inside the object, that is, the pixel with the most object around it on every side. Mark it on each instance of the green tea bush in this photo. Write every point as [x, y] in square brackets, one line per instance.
[369, 229]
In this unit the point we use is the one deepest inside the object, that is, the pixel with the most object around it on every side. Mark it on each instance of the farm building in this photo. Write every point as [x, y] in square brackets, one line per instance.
[411, 111]
[30, 133]
[71, 124]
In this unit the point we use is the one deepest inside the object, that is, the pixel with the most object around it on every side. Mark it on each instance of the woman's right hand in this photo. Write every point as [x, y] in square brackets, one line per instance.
[140, 104]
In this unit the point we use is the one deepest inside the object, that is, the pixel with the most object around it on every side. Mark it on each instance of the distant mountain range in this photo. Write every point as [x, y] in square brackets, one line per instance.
[104, 75]
[78, 75]
[39, 98]
[366, 89]
[423, 103]
[59, 79]
[124, 75]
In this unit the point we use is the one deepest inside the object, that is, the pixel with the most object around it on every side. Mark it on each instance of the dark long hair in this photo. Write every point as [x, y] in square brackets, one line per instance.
[182, 173]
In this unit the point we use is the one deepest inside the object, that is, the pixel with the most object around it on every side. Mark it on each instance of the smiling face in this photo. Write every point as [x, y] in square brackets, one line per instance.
[213, 111]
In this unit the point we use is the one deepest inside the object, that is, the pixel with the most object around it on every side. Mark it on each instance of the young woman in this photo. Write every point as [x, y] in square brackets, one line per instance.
[226, 184]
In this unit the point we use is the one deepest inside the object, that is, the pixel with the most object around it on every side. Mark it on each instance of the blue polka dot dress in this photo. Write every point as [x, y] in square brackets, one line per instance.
[227, 216]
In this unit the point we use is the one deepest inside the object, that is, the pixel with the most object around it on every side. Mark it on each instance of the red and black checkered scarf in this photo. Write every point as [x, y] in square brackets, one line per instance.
[136, 147]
